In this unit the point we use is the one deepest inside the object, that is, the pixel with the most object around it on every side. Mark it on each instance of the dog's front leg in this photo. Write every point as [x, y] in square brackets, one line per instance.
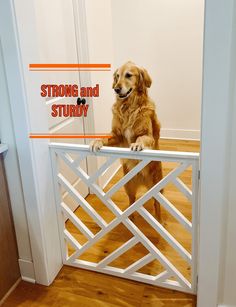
[144, 141]
[97, 144]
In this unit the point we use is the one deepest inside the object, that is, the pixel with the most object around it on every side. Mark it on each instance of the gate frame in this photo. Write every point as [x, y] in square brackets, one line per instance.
[61, 151]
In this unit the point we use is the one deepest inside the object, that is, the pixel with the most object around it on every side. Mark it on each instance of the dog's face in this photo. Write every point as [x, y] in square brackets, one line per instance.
[130, 78]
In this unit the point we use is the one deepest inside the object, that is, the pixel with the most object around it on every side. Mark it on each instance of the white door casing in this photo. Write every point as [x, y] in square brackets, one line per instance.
[30, 114]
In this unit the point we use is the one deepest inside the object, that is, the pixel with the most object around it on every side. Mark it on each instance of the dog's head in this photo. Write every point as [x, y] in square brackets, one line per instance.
[129, 79]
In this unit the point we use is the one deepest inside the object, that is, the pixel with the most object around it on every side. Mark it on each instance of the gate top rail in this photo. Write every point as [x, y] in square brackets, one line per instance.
[119, 152]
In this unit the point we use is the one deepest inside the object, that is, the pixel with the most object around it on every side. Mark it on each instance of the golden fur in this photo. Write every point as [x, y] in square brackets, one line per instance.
[134, 125]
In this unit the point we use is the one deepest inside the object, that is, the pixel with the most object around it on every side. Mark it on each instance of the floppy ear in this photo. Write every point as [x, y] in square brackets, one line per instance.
[144, 79]
[114, 78]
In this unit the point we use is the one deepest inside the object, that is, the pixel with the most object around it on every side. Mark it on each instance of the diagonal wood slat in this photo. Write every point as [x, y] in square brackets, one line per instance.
[183, 188]
[119, 251]
[102, 169]
[86, 206]
[139, 264]
[76, 221]
[165, 234]
[126, 178]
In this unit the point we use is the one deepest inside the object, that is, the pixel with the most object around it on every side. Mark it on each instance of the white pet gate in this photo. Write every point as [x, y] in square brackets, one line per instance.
[170, 277]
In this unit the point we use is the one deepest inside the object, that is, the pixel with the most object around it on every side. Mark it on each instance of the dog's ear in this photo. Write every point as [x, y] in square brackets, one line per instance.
[144, 79]
[114, 78]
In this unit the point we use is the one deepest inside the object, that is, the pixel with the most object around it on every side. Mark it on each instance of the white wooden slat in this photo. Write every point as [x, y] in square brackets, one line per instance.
[162, 276]
[157, 253]
[154, 191]
[68, 236]
[97, 237]
[113, 172]
[195, 218]
[77, 222]
[73, 165]
[174, 212]
[108, 202]
[139, 264]
[165, 234]
[77, 161]
[93, 187]
[118, 152]
[144, 278]
[58, 199]
[120, 218]
[183, 188]
[126, 178]
[102, 169]
[84, 204]
[118, 252]
[67, 156]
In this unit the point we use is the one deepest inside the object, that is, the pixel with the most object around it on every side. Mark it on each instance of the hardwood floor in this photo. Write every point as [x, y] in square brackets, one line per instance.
[76, 287]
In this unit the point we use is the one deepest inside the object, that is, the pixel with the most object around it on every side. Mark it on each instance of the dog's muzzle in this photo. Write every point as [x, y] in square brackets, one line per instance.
[125, 95]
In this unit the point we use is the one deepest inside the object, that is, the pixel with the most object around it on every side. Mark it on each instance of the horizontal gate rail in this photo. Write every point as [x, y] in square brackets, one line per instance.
[184, 160]
[153, 155]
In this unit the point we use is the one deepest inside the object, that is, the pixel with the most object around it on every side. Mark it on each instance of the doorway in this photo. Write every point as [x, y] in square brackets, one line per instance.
[91, 51]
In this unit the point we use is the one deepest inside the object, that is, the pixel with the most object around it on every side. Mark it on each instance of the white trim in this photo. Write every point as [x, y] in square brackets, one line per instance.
[27, 279]
[216, 118]
[27, 270]
[40, 210]
[11, 165]
[180, 134]
[3, 148]
[10, 291]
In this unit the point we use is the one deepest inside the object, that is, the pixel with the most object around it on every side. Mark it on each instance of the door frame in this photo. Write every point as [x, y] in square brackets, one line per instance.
[215, 108]
[216, 122]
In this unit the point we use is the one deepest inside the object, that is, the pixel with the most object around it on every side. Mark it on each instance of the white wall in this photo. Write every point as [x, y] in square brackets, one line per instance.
[100, 46]
[100, 49]
[166, 37]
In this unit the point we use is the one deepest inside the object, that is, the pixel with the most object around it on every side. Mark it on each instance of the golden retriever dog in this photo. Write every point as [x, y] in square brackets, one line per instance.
[134, 125]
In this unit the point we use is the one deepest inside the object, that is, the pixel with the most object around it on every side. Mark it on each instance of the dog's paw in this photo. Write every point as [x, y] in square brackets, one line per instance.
[95, 145]
[136, 146]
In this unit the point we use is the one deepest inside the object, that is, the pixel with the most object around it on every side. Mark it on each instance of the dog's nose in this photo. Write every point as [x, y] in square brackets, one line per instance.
[117, 90]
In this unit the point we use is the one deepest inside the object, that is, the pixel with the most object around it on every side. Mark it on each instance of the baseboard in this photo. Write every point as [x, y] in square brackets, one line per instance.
[27, 270]
[180, 134]
[10, 291]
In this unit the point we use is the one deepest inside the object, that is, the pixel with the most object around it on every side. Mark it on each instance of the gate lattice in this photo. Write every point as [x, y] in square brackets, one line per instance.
[66, 153]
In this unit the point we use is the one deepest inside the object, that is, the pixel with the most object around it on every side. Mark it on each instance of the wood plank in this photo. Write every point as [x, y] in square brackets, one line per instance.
[9, 268]
[77, 287]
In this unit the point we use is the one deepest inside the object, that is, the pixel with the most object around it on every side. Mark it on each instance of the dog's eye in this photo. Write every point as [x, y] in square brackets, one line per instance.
[117, 76]
[128, 75]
